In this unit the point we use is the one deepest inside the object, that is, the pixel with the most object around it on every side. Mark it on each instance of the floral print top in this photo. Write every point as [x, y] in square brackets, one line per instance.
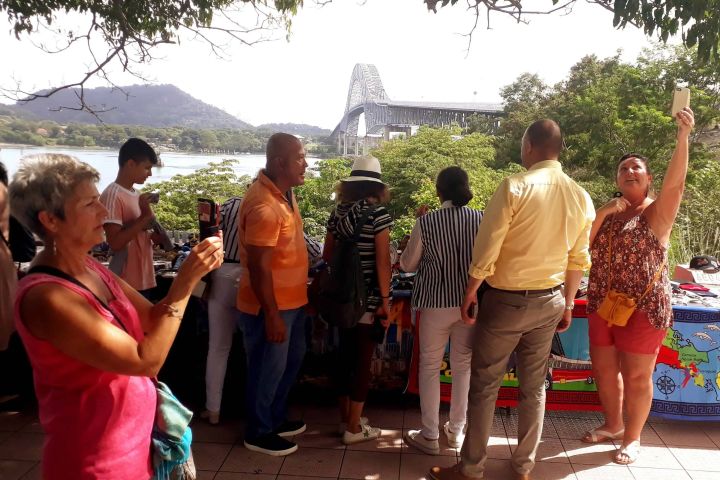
[636, 256]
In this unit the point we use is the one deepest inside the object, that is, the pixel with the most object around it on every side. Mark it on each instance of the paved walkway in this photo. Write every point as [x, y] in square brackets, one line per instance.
[672, 450]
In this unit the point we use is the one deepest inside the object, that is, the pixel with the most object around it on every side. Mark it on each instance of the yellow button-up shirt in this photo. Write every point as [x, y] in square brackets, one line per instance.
[536, 226]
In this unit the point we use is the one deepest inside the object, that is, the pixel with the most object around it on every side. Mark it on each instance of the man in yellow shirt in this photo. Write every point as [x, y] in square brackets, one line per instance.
[531, 250]
[272, 294]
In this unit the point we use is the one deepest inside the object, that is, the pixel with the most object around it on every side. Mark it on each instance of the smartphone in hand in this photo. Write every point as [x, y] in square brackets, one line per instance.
[681, 99]
[208, 218]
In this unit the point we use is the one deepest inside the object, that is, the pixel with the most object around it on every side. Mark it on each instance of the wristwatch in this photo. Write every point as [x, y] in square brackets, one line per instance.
[569, 306]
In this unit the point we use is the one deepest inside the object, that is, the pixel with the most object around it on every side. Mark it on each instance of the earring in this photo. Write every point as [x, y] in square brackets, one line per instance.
[54, 249]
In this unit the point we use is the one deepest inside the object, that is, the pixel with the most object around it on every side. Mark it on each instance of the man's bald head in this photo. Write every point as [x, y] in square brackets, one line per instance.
[286, 164]
[278, 146]
[542, 141]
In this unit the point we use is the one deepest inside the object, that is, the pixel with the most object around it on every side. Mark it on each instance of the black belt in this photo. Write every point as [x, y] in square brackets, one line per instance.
[229, 260]
[525, 293]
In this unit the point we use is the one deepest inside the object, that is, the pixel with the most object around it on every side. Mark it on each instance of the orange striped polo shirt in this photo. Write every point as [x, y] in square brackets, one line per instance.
[266, 219]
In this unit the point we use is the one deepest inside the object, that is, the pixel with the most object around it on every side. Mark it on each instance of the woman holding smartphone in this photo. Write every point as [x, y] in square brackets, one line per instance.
[361, 196]
[94, 342]
[629, 243]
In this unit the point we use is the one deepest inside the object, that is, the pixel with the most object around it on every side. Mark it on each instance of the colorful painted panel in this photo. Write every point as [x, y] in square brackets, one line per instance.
[687, 371]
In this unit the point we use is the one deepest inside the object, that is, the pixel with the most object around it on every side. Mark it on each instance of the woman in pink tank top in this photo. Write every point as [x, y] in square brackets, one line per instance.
[629, 242]
[93, 341]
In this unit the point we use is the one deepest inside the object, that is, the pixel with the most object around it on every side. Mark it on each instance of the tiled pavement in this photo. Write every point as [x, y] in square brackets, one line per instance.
[672, 450]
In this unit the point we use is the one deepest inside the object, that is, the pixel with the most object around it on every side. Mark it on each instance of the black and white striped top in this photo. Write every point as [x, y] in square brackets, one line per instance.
[342, 223]
[228, 224]
[447, 237]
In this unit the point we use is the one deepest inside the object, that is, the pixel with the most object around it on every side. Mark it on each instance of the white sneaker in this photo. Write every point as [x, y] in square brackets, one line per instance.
[455, 439]
[415, 439]
[213, 418]
[343, 426]
[365, 434]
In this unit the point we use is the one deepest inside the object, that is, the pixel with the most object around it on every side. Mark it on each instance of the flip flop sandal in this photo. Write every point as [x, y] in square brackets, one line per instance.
[598, 436]
[628, 454]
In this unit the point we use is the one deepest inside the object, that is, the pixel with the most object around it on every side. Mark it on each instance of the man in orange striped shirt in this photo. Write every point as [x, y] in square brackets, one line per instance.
[272, 294]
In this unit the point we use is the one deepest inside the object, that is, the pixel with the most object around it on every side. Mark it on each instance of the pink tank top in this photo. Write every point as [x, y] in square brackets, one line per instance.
[97, 423]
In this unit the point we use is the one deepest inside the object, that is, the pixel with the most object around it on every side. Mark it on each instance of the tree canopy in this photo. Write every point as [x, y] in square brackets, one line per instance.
[698, 21]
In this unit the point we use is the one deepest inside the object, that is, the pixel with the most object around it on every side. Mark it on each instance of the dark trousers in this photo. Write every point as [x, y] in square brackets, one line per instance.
[352, 375]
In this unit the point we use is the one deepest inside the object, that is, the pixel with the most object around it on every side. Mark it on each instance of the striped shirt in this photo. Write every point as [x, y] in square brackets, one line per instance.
[440, 249]
[342, 224]
[228, 224]
[314, 249]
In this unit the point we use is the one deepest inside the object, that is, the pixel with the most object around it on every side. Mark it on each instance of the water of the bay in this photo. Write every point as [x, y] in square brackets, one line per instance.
[105, 161]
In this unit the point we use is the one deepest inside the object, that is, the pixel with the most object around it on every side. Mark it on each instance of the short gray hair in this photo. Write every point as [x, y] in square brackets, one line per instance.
[45, 182]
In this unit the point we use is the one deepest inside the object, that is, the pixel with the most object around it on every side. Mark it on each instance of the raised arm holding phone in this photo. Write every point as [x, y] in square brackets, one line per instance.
[629, 246]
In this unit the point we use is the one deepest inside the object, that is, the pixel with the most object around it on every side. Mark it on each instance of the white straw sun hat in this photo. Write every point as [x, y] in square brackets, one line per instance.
[365, 169]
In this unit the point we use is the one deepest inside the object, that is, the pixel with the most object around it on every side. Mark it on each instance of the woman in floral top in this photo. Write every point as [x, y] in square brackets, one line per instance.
[635, 229]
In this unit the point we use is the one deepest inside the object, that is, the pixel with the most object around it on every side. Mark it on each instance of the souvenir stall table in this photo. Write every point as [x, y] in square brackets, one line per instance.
[686, 378]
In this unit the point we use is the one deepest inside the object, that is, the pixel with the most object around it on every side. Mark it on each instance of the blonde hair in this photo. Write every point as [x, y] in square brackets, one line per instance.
[44, 182]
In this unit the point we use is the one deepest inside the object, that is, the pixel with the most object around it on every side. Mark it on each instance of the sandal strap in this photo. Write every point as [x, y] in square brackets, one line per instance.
[631, 451]
[596, 434]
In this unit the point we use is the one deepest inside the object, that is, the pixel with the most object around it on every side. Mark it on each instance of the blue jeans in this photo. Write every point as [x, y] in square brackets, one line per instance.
[272, 370]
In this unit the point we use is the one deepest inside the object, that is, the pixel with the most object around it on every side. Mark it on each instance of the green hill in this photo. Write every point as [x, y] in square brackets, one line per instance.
[147, 105]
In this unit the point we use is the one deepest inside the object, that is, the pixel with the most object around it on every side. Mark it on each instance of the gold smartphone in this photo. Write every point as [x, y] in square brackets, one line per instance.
[681, 99]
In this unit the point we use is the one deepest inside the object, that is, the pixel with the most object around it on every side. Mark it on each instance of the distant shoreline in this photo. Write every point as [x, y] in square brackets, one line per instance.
[64, 147]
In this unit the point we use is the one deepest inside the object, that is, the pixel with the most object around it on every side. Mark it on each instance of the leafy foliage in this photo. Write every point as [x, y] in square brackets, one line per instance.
[697, 231]
[316, 199]
[607, 108]
[178, 196]
[410, 167]
[697, 20]
[15, 130]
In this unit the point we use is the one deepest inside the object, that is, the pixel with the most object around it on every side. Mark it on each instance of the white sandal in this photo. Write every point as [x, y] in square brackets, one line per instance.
[596, 435]
[631, 451]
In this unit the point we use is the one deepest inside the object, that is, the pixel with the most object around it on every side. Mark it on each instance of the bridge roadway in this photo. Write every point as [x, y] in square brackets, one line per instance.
[383, 115]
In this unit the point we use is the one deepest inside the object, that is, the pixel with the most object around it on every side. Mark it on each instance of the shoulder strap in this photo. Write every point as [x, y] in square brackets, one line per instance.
[655, 278]
[361, 222]
[56, 272]
[609, 254]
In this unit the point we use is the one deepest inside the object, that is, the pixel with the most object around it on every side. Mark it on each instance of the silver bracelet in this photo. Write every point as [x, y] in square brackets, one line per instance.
[171, 310]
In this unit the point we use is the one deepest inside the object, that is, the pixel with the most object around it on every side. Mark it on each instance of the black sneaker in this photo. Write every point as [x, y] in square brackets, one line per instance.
[291, 428]
[272, 445]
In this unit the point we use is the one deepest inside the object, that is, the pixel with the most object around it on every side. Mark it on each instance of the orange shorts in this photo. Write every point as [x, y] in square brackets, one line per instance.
[638, 336]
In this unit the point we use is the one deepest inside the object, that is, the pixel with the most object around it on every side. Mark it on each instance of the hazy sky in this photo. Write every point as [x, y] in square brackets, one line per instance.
[420, 56]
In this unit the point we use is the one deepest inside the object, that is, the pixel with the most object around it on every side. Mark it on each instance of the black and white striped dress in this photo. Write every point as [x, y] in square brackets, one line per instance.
[342, 222]
[447, 237]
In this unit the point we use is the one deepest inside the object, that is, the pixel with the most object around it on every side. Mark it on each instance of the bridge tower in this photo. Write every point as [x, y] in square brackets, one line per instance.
[383, 116]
